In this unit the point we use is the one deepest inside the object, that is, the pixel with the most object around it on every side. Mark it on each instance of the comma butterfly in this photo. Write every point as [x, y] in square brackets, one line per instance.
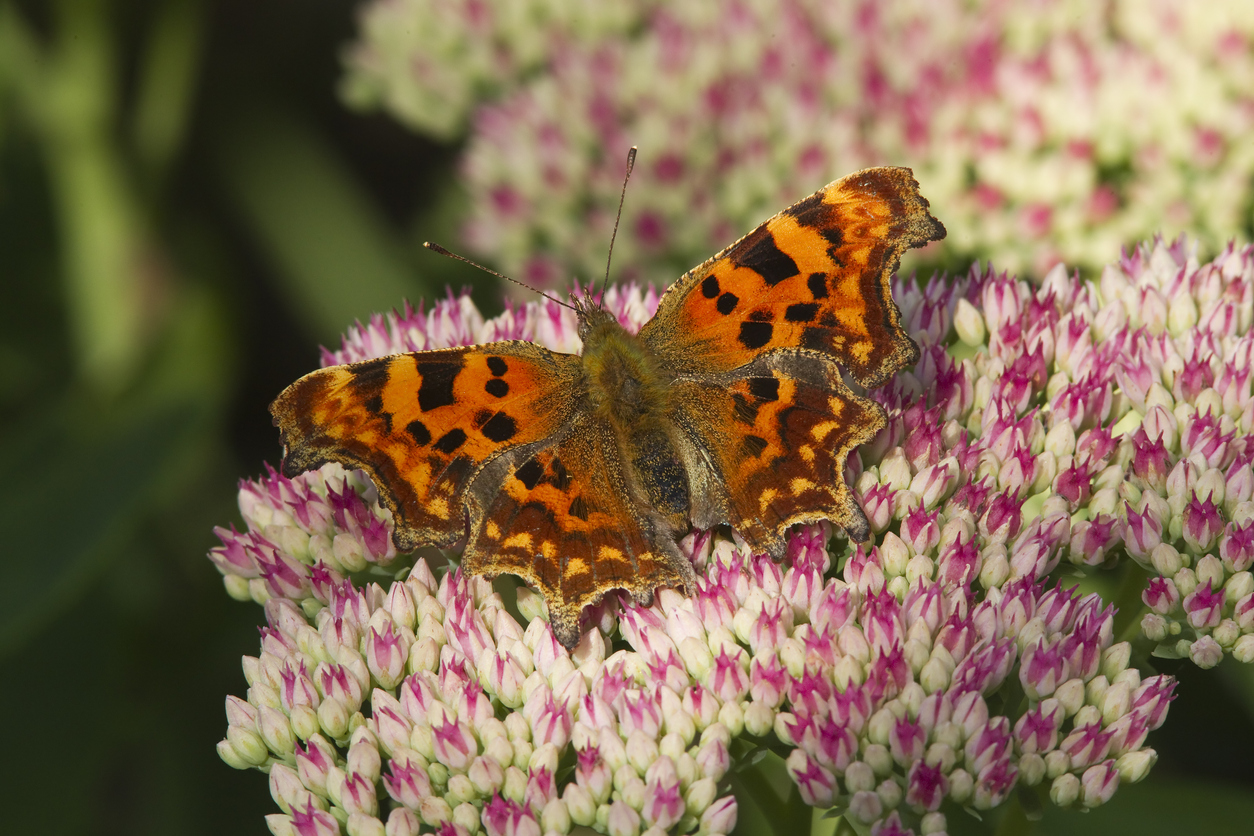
[578, 473]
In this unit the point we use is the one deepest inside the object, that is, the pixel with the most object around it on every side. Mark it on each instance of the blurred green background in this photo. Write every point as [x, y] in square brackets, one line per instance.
[186, 212]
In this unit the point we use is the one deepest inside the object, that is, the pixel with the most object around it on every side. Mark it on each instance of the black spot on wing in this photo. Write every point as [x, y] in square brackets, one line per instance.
[817, 283]
[755, 334]
[805, 210]
[835, 239]
[419, 432]
[727, 303]
[801, 312]
[369, 378]
[436, 389]
[760, 254]
[709, 287]
[815, 339]
[752, 446]
[457, 470]
[499, 428]
[821, 217]
[744, 411]
[561, 478]
[374, 404]
[579, 509]
[764, 388]
[529, 474]
[451, 440]
[497, 366]
[496, 387]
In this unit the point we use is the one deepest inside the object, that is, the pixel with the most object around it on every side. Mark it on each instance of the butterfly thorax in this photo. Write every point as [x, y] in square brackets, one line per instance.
[625, 387]
[624, 383]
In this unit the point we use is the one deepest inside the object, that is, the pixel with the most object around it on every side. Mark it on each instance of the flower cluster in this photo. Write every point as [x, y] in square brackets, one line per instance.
[1068, 425]
[1057, 130]
[1093, 421]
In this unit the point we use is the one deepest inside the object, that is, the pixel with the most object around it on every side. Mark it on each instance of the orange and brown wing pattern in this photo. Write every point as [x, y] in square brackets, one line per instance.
[423, 424]
[815, 276]
[779, 436]
[561, 517]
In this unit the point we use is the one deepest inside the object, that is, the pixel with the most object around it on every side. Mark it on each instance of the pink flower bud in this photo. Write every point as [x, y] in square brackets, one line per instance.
[640, 711]
[1236, 547]
[863, 572]
[1142, 533]
[1098, 784]
[287, 790]
[407, 783]
[594, 774]
[720, 817]
[386, 653]
[503, 817]
[1202, 525]
[1161, 595]
[817, 785]
[358, 795]
[906, 741]
[1037, 730]
[622, 820]
[1204, 607]
[728, 680]
[663, 800]
[310, 821]
[926, 786]
[920, 529]
[773, 625]
[959, 563]
[453, 743]
[994, 783]
[1087, 745]
[987, 744]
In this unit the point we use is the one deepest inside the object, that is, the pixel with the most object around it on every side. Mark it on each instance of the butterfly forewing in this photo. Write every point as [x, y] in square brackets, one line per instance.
[423, 424]
[815, 276]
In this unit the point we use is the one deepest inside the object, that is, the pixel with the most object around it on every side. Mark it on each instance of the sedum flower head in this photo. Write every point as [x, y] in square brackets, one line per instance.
[1051, 131]
[1078, 428]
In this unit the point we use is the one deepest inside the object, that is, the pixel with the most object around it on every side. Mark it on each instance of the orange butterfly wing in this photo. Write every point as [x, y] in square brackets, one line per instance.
[423, 424]
[777, 436]
[561, 516]
[757, 336]
[815, 276]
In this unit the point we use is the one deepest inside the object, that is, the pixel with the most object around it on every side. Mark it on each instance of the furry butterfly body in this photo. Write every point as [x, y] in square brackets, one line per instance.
[579, 473]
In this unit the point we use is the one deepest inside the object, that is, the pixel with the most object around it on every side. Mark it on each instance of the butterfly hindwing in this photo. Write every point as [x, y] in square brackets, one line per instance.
[561, 516]
[815, 276]
[779, 431]
[423, 424]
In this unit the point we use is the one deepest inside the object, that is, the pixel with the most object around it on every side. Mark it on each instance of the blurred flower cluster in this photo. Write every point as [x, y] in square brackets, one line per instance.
[1047, 430]
[1055, 130]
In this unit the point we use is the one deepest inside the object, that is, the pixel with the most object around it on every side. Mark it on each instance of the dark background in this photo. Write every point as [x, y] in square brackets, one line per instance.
[267, 217]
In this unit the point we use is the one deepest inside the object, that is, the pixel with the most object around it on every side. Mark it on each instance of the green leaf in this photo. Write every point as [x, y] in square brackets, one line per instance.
[69, 504]
[1158, 807]
[336, 257]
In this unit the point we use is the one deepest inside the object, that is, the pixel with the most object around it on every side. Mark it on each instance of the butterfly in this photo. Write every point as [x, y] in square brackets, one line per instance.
[579, 473]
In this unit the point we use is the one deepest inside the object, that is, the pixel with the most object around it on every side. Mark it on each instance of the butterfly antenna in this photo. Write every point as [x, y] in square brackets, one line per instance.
[631, 163]
[438, 249]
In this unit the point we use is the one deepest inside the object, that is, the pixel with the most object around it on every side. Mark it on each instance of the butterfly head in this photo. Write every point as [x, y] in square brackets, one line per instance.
[592, 315]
